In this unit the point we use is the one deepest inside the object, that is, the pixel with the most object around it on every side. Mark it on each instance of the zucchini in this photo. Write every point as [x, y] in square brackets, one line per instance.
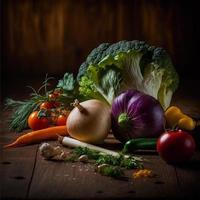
[139, 144]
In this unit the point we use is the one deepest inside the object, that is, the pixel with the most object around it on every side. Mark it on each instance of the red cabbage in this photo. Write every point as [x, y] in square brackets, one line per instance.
[135, 114]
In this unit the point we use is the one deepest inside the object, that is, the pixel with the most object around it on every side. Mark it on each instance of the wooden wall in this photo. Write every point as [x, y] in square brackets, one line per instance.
[55, 36]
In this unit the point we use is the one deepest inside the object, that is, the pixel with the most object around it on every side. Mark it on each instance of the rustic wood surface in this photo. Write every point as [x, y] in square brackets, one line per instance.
[26, 175]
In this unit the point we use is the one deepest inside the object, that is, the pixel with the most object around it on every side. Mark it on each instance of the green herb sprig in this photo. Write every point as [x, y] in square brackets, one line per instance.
[21, 110]
[112, 171]
[115, 164]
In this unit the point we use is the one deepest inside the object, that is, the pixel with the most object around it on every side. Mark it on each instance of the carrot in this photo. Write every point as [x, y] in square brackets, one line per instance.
[50, 133]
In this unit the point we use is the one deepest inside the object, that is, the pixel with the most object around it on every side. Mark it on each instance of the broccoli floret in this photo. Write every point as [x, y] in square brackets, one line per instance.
[135, 64]
[94, 57]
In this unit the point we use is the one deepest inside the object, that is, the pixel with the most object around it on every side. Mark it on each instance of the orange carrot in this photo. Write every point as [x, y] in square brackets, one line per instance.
[50, 133]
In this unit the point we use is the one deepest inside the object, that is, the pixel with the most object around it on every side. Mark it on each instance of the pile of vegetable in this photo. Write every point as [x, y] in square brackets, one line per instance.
[43, 109]
[108, 70]
[124, 88]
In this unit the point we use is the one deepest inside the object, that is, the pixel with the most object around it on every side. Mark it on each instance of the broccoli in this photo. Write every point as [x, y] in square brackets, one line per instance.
[94, 57]
[112, 68]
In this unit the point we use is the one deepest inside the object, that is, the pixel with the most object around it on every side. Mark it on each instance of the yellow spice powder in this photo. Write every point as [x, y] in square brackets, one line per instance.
[143, 173]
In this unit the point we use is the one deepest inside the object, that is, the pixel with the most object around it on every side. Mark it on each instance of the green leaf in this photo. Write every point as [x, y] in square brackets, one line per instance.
[67, 83]
[101, 83]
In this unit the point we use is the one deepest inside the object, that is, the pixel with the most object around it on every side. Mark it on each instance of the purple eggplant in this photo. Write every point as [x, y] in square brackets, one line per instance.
[136, 115]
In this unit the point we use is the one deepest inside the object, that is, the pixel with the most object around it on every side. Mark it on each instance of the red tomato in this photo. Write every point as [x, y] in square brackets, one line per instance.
[54, 96]
[61, 120]
[176, 146]
[47, 105]
[57, 104]
[36, 123]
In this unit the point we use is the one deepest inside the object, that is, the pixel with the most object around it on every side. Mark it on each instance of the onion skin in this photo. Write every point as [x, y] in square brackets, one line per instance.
[136, 115]
[92, 124]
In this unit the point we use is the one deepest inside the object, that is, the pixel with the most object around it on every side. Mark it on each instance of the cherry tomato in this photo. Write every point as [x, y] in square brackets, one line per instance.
[61, 120]
[47, 105]
[54, 96]
[176, 146]
[36, 123]
[57, 104]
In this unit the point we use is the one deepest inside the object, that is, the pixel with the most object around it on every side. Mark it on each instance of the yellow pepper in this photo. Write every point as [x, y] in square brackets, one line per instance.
[175, 117]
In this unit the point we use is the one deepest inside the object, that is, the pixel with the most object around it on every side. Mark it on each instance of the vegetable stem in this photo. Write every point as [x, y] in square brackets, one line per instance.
[123, 120]
[70, 142]
[77, 104]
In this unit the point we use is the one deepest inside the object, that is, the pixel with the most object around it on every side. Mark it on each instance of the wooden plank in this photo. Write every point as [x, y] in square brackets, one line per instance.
[59, 180]
[189, 177]
[16, 168]
[54, 180]
[164, 185]
[69, 181]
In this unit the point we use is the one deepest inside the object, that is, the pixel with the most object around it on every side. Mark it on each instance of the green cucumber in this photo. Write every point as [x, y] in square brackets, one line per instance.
[139, 144]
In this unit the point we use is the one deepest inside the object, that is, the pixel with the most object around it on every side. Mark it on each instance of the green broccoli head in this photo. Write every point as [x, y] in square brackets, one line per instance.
[112, 68]
[94, 57]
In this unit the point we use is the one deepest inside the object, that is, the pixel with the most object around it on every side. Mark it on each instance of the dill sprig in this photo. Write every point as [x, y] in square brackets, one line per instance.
[21, 110]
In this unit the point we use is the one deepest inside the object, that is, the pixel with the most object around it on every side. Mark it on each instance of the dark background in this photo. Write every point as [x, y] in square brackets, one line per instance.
[53, 37]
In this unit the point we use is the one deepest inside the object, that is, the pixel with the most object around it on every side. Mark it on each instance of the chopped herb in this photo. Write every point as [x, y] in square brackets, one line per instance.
[112, 165]
[92, 154]
[108, 159]
[113, 171]
[71, 158]
[130, 163]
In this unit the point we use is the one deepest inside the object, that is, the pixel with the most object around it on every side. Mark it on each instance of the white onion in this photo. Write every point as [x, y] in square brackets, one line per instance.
[89, 121]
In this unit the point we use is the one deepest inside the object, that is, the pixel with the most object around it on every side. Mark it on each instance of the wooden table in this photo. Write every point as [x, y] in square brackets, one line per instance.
[26, 175]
